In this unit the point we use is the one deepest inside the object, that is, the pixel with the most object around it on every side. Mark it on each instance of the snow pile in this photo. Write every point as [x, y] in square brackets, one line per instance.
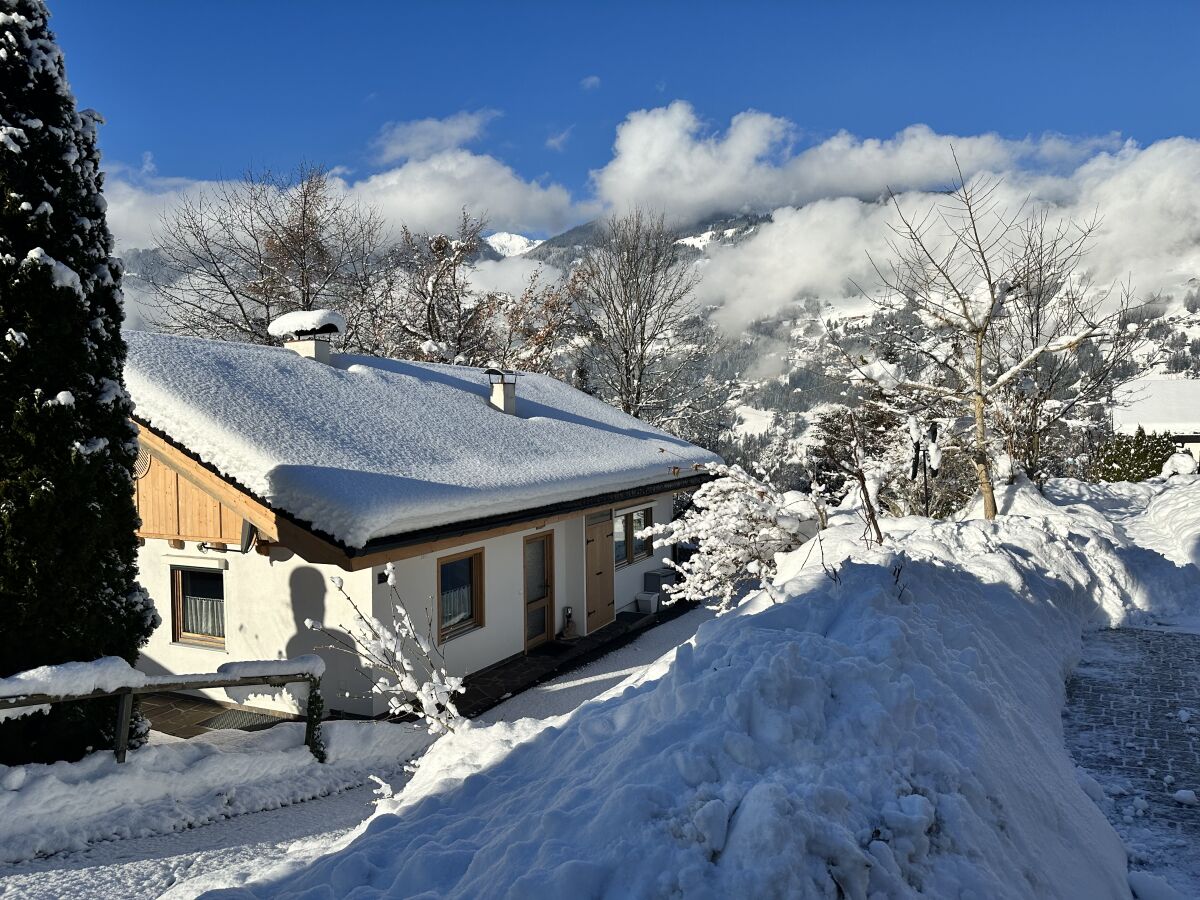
[169, 787]
[369, 447]
[1179, 464]
[890, 727]
[318, 321]
[1171, 521]
[109, 673]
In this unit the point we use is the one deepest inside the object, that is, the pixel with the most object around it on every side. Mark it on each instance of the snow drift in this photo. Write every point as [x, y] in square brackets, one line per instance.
[886, 724]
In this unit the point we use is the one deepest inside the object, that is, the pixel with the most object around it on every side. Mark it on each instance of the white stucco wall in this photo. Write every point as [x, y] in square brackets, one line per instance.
[267, 600]
[628, 581]
[503, 633]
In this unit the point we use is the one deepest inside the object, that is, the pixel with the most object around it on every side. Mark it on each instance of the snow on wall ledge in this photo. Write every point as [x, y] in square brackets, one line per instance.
[891, 733]
[373, 447]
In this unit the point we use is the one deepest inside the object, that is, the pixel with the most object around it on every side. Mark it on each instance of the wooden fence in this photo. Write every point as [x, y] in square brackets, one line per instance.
[312, 727]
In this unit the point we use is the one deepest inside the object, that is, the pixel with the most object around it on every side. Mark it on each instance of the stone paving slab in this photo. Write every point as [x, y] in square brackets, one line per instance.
[1132, 723]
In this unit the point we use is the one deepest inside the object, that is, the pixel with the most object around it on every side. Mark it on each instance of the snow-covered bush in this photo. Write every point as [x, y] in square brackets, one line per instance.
[737, 525]
[410, 670]
[1131, 457]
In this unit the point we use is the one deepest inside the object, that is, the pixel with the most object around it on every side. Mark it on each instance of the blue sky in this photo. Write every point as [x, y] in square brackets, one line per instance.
[210, 87]
[544, 115]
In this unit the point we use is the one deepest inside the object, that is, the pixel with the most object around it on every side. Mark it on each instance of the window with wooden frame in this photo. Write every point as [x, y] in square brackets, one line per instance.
[627, 547]
[198, 606]
[459, 594]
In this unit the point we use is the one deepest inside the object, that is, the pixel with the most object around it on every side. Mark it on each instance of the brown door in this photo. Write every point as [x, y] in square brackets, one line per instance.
[599, 558]
[539, 589]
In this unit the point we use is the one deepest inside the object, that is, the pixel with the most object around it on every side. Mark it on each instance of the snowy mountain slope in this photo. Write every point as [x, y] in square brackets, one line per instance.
[508, 244]
[891, 731]
[564, 250]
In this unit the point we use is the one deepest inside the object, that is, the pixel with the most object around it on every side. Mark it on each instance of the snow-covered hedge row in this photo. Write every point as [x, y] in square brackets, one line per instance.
[888, 730]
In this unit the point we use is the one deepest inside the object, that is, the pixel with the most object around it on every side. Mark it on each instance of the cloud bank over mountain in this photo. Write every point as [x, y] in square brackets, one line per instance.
[824, 194]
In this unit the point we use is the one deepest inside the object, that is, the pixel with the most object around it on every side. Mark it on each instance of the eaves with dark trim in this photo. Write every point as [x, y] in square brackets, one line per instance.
[451, 529]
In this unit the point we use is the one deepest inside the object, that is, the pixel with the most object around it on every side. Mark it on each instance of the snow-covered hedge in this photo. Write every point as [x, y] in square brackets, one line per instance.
[891, 729]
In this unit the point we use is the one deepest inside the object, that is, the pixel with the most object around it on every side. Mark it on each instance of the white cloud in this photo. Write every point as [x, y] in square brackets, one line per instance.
[422, 138]
[824, 195]
[425, 194]
[429, 194]
[667, 159]
[590, 82]
[511, 274]
[136, 203]
[1149, 232]
[558, 140]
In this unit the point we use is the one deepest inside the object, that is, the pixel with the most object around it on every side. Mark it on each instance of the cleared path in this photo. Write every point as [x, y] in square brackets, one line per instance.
[1133, 724]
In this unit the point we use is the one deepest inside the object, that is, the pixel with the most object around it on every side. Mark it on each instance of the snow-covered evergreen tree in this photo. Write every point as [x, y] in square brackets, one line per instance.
[67, 519]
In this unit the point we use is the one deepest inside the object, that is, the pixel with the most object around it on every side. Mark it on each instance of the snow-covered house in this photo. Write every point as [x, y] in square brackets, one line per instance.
[505, 503]
[1164, 405]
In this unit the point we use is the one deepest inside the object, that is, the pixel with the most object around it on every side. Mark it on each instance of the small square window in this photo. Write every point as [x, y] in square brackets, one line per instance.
[460, 594]
[198, 606]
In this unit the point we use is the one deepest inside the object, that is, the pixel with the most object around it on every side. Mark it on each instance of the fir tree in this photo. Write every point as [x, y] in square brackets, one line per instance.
[67, 448]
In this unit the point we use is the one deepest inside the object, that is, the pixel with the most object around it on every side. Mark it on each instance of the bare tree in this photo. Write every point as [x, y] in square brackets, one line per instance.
[532, 330]
[435, 312]
[647, 338]
[242, 253]
[997, 295]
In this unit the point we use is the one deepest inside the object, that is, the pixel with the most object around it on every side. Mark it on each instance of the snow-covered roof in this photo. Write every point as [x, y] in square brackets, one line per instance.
[369, 448]
[1166, 405]
[316, 321]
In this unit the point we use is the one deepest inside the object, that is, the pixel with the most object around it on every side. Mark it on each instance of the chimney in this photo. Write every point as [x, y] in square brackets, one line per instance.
[311, 346]
[504, 390]
[308, 331]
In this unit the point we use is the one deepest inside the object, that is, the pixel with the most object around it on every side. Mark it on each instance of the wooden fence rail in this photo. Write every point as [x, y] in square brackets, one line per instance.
[312, 733]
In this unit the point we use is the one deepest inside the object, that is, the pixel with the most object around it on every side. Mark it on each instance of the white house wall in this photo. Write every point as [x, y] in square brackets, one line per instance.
[267, 600]
[502, 634]
[629, 581]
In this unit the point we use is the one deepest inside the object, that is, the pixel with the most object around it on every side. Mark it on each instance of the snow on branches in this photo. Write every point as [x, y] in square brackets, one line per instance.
[994, 313]
[737, 525]
[413, 674]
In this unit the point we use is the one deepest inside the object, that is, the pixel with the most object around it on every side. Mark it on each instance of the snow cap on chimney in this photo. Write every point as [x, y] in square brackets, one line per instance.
[504, 390]
[308, 331]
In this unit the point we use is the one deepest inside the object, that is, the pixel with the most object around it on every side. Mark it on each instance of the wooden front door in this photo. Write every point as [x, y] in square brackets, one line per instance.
[539, 589]
[599, 558]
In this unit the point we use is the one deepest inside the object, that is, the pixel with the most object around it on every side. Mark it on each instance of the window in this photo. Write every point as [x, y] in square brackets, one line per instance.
[460, 594]
[198, 606]
[627, 547]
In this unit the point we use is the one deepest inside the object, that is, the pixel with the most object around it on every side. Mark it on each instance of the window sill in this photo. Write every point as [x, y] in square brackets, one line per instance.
[458, 632]
[199, 645]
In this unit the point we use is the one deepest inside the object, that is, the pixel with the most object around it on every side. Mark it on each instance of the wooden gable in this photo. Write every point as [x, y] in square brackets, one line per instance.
[178, 499]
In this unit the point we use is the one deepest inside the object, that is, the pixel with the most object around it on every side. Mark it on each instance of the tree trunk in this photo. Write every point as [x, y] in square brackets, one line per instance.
[982, 468]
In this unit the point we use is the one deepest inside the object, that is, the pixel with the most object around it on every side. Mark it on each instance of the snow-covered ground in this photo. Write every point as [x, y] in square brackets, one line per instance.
[886, 723]
[186, 856]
